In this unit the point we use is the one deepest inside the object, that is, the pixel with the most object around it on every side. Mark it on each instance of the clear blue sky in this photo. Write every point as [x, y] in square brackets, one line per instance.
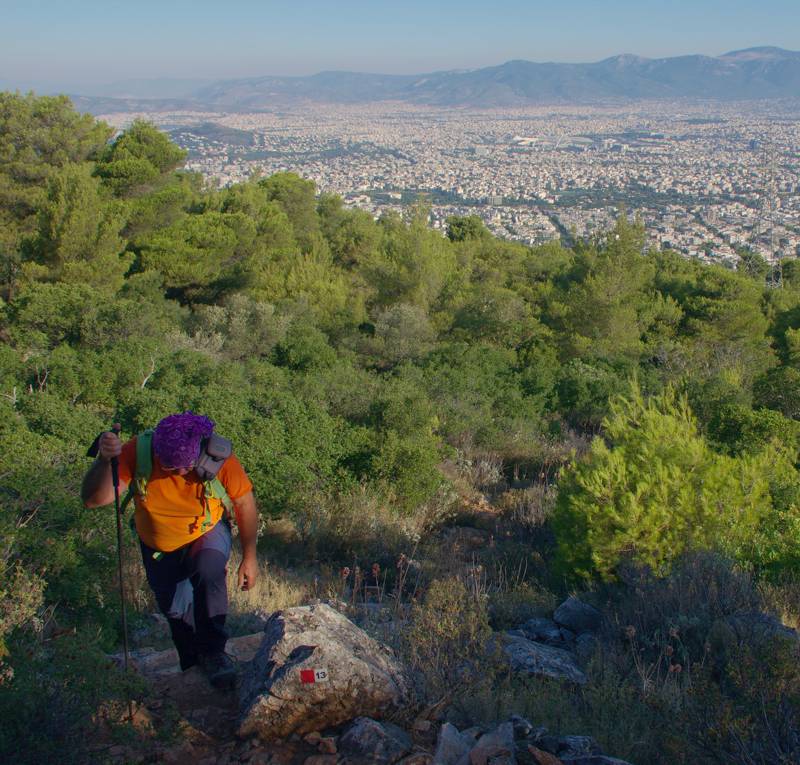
[83, 42]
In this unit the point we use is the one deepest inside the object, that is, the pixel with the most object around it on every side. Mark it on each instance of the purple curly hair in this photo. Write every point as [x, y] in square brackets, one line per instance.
[176, 439]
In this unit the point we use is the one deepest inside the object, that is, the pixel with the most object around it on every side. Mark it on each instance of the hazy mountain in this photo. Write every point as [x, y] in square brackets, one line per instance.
[755, 73]
[163, 87]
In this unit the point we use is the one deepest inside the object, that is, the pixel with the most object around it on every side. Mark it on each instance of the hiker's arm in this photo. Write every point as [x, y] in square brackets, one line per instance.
[97, 488]
[247, 521]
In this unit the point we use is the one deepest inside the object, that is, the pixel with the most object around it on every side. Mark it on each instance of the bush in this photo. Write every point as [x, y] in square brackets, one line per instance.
[655, 490]
[447, 639]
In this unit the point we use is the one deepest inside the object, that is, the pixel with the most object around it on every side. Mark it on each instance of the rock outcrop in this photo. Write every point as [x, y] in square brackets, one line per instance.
[314, 670]
[577, 616]
[368, 742]
[517, 741]
[539, 659]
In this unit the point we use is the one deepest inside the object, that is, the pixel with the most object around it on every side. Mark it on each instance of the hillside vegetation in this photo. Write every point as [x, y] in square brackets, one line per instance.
[628, 419]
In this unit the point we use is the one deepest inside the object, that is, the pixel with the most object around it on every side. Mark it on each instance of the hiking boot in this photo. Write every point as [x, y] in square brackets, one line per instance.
[219, 669]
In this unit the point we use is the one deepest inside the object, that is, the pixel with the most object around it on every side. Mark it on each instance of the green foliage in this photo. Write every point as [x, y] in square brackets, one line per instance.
[297, 199]
[779, 389]
[354, 364]
[78, 239]
[139, 159]
[61, 690]
[461, 229]
[753, 265]
[654, 490]
[38, 137]
[190, 253]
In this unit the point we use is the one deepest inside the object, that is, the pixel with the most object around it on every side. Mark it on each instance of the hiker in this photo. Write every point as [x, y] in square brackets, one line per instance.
[184, 479]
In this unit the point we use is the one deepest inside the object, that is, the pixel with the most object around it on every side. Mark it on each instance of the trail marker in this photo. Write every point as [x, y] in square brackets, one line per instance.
[309, 676]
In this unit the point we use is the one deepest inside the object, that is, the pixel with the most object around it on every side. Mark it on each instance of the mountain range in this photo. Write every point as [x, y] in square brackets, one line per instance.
[754, 73]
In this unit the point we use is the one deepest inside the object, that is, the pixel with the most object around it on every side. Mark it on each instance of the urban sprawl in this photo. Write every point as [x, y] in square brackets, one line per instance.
[706, 180]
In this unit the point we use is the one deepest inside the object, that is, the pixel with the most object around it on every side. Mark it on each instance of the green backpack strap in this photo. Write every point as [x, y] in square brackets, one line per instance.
[213, 489]
[144, 467]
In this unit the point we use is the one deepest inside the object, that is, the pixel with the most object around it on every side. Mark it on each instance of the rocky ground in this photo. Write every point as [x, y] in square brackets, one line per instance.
[314, 689]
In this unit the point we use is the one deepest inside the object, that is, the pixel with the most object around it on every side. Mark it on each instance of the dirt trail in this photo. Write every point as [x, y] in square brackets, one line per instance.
[207, 717]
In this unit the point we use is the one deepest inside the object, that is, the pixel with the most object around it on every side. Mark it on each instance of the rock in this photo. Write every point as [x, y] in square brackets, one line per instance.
[474, 733]
[594, 759]
[585, 646]
[156, 627]
[418, 758]
[539, 659]
[368, 742]
[540, 757]
[282, 755]
[452, 746]
[577, 616]
[422, 726]
[541, 630]
[362, 678]
[313, 738]
[496, 746]
[522, 728]
[548, 743]
[179, 753]
[321, 759]
[570, 747]
[327, 745]
[757, 628]
[567, 636]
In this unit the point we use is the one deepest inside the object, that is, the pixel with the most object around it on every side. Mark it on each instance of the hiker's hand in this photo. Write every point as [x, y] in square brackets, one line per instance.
[248, 573]
[109, 445]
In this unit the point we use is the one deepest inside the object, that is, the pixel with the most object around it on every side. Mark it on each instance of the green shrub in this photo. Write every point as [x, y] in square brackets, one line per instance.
[655, 490]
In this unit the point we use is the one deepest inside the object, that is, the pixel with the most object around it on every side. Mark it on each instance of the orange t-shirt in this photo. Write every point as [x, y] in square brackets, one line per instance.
[172, 513]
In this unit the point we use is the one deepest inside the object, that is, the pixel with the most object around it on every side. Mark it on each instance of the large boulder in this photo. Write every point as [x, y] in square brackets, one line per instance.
[495, 748]
[539, 659]
[453, 747]
[759, 628]
[543, 630]
[368, 742]
[314, 670]
[577, 616]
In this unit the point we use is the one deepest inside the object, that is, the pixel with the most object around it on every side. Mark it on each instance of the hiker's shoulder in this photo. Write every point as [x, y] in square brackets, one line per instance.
[234, 478]
[232, 466]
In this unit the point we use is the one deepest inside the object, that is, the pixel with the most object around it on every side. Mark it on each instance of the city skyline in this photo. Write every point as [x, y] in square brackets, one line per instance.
[85, 45]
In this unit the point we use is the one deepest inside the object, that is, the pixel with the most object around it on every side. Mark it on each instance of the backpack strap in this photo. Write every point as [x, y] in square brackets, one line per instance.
[144, 467]
[213, 489]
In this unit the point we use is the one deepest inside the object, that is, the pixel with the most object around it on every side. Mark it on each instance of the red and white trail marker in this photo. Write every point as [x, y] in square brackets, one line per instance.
[308, 676]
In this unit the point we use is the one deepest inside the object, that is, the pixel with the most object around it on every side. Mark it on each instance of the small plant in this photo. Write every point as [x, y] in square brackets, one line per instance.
[531, 507]
[447, 638]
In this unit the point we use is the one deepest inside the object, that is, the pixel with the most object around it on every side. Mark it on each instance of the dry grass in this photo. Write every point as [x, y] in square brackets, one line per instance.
[363, 527]
[530, 507]
[273, 590]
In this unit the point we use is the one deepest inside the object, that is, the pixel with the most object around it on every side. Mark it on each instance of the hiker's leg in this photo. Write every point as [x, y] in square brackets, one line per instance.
[167, 578]
[207, 559]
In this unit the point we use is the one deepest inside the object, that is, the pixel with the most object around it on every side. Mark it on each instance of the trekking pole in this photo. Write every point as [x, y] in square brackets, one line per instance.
[115, 481]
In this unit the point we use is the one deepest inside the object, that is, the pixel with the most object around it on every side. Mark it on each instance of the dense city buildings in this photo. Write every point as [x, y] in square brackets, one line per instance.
[706, 179]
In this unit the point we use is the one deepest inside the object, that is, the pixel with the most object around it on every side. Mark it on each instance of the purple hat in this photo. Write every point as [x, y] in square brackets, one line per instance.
[176, 439]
